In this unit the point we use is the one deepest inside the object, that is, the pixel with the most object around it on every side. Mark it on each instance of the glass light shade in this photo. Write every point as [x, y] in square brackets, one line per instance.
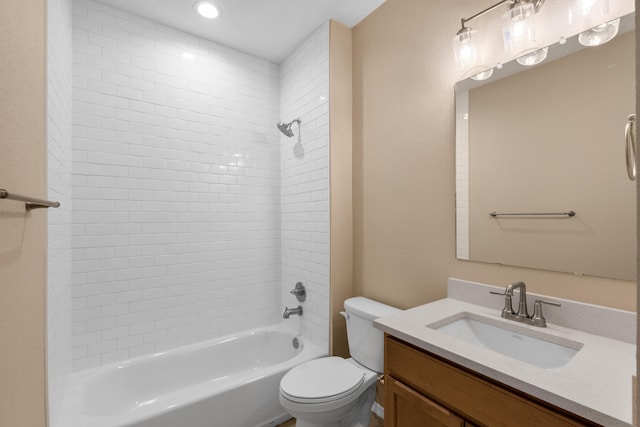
[599, 34]
[206, 9]
[533, 58]
[483, 75]
[518, 27]
[581, 10]
[465, 48]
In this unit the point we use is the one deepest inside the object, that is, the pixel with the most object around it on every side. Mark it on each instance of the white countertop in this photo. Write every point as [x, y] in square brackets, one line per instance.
[595, 384]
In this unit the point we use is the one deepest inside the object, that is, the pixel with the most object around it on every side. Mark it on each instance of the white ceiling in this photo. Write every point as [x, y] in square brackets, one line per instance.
[270, 29]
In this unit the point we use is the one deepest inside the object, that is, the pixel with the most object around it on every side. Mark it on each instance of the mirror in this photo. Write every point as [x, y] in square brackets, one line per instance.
[541, 142]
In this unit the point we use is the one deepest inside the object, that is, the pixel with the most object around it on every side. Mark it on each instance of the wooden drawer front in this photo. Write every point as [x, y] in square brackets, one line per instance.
[476, 399]
[407, 408]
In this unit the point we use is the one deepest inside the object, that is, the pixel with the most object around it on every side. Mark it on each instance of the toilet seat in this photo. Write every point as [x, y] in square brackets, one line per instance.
[322, 380]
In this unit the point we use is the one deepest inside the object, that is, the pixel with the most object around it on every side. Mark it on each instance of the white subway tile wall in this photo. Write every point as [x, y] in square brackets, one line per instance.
[176, 188]
[462, 175]
[304, 85]
[59, 87]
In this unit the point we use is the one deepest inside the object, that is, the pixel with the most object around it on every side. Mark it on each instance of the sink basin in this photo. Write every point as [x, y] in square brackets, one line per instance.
[527, 345]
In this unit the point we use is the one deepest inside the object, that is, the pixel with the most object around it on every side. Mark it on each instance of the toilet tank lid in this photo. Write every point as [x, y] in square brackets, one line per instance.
[368, 308]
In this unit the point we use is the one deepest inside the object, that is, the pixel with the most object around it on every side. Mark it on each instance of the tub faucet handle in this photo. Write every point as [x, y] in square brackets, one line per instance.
[300, 292]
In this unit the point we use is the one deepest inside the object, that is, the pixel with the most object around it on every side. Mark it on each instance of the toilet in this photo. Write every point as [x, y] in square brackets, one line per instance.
[337, 392]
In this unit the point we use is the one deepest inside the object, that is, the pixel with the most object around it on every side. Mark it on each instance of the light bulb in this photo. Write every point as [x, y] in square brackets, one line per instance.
[519, 28]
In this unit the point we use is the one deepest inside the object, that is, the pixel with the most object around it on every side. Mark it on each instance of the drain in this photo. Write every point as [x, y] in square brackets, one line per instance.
[295, 343]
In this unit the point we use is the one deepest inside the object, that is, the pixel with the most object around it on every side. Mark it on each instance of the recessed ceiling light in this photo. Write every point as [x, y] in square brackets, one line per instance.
[207, 9]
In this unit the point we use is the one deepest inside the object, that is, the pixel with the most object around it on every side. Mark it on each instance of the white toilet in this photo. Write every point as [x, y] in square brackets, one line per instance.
[337, 392]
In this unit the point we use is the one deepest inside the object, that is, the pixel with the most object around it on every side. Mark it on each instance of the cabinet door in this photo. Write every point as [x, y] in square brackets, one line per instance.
[406, 408]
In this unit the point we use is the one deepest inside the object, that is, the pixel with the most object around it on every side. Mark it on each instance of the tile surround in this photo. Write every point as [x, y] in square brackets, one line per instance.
[185, 195]
[59, 87]
[305, 183]
[462, 176]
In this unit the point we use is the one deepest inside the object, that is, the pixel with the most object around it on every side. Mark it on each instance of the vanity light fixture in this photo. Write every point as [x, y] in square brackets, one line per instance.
[518, 31]
[207, 9]
[599, 34]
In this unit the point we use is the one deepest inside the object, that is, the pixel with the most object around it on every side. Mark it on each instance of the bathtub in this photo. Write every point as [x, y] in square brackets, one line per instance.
[227, 382]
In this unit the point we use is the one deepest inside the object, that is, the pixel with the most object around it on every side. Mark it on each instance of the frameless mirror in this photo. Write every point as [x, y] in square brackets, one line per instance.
[537, 143]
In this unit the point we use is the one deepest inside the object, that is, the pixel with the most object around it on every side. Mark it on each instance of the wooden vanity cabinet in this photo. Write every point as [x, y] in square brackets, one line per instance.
[406, 407]
[423, 390]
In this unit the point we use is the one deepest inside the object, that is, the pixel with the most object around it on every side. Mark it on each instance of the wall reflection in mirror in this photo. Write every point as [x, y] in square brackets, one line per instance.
[548, 139]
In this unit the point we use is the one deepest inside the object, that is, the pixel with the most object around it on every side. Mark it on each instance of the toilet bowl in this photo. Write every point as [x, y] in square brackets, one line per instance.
[329, 392]
[337, 392]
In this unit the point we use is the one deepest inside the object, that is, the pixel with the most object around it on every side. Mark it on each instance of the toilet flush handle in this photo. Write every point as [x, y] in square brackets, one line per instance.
[345, 314]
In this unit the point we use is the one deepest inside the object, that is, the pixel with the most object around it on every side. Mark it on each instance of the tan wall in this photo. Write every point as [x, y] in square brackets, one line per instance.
[404, 178]
[340, 147]
[561, 148]
[636, 397]
[23, 241]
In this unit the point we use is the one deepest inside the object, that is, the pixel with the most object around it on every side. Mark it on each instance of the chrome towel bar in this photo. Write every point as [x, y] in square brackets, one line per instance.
[30, 202]
[569, 214]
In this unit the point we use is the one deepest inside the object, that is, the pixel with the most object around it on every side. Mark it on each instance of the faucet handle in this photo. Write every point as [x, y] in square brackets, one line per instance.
[555, 304]
[537, 317]
[507, 291]
[508, 307]
[300, 292]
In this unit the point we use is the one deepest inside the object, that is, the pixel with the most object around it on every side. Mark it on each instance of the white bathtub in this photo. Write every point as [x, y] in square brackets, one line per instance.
[227, 382]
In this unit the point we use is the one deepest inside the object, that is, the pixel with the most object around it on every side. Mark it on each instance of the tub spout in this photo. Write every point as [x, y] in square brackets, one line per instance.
[289, 311]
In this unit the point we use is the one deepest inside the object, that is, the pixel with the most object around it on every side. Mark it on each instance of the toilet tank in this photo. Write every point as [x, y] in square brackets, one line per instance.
[366, 343]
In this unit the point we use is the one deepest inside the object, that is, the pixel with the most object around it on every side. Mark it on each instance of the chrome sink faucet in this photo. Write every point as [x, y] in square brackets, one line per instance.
[522, 315]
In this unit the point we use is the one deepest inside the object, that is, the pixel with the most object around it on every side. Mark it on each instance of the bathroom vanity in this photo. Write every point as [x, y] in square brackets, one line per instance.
[436, 376]
[423, 389]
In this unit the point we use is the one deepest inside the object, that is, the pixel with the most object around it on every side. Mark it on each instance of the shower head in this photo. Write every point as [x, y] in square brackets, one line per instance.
[285, 128]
